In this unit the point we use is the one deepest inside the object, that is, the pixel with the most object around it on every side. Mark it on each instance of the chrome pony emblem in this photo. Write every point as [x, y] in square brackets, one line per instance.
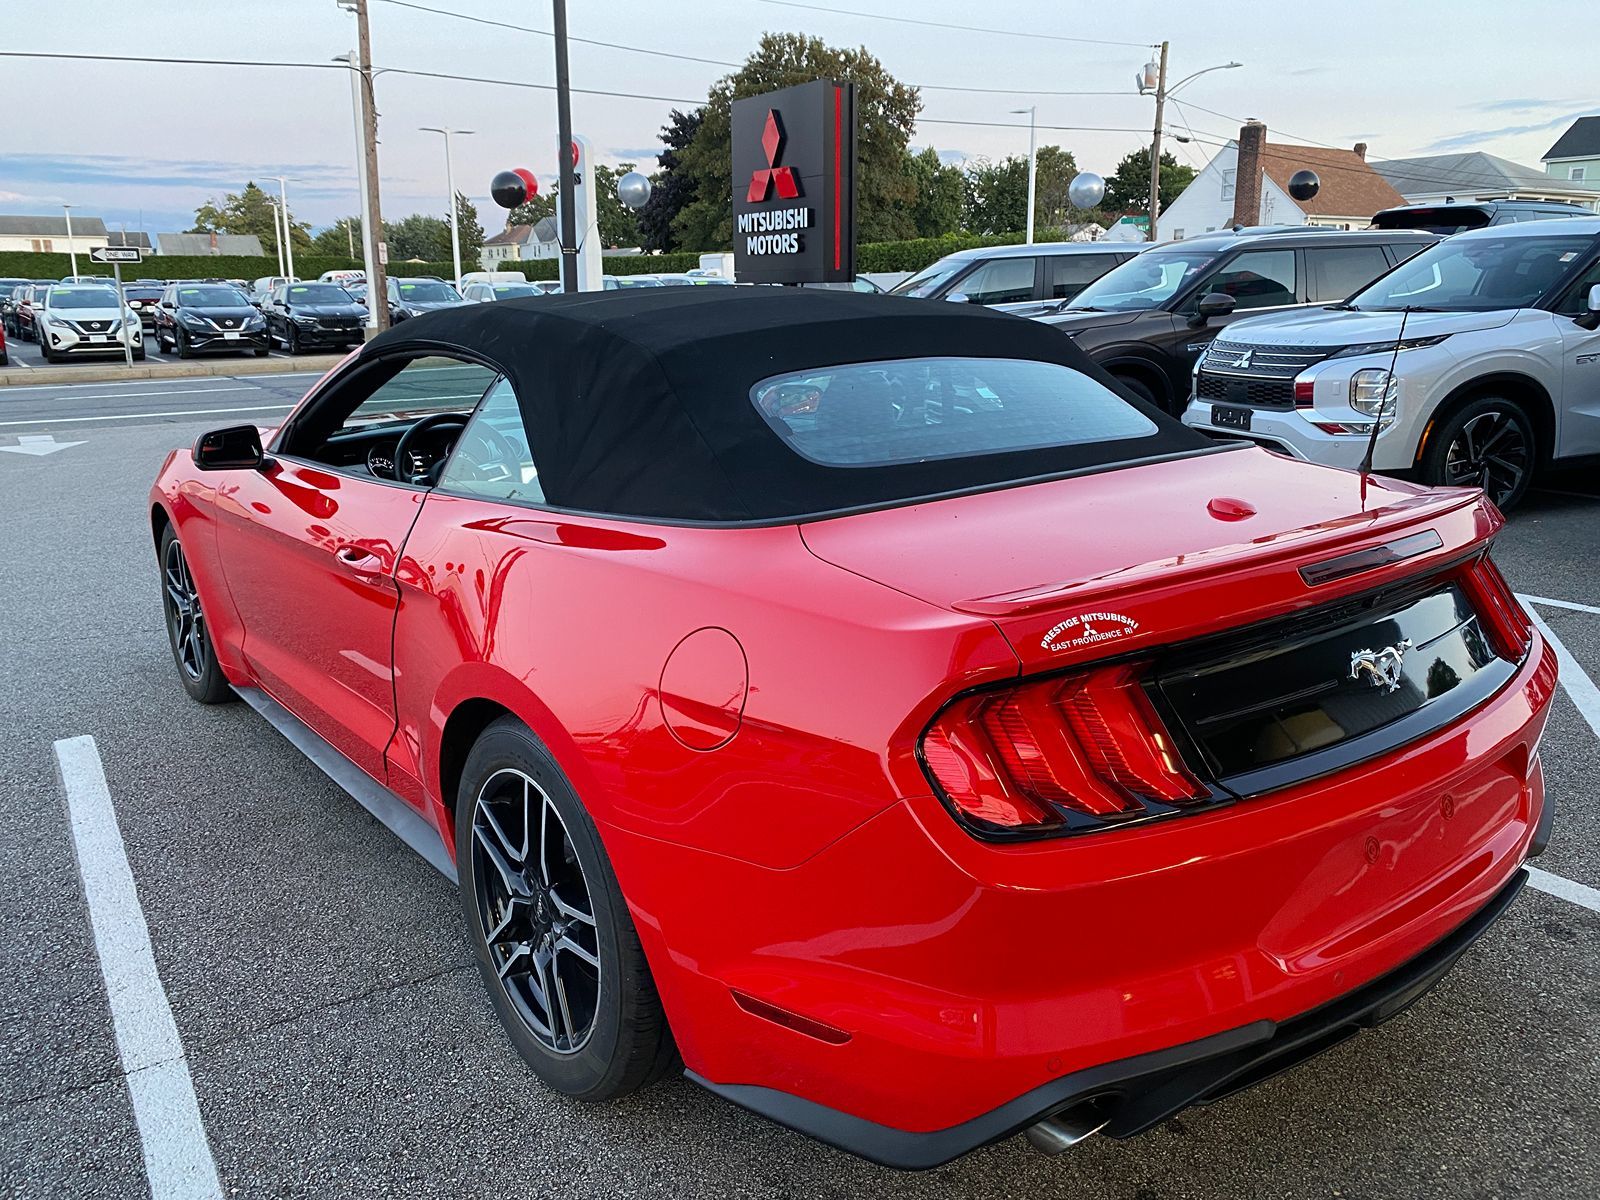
[1381, 668]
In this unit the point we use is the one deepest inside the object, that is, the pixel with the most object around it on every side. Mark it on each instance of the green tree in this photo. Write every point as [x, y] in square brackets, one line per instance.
[886, 112]
[338, 239]
[418, 236]
[249, 211]
[997, 193]
[1128, 188]
[535, 210]
[471, 232]
[940, 194]
[672, 190]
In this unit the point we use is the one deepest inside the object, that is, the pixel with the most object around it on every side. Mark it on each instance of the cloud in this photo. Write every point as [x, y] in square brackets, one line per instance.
[1473, 138]
[637, 154]
[110, 170]
[1522, 104]
[1309, 71]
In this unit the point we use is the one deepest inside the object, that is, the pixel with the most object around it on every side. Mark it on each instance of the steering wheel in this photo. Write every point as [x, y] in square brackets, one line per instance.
[494, 465]
[412, 437]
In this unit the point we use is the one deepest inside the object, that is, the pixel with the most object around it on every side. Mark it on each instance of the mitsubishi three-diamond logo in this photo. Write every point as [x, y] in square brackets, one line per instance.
[763, 179]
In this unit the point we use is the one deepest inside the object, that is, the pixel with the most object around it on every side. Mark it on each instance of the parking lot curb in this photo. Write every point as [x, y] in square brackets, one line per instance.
[21, 375]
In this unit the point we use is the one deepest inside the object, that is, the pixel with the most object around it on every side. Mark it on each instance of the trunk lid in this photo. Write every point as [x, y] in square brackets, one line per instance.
[1132, 558]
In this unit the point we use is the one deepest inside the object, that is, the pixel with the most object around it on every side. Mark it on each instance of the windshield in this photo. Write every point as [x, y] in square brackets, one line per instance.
[318, 293]
[81, 297]
[912, 410]
[1147, 281]
[211, 297]
[1447, 220]
[424, 292]
[142, 293]
[928, 280]
[1475, 274]
[515, 291]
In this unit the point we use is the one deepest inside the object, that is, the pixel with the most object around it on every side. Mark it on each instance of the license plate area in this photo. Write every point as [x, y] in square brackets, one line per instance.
[1229, 416]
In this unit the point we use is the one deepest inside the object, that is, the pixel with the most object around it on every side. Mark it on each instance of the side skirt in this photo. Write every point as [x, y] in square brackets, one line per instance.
[402, 820]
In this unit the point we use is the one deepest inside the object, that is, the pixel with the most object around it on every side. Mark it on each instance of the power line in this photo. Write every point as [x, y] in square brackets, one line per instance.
[718, 62]
[1049, 37]
[1024, 125]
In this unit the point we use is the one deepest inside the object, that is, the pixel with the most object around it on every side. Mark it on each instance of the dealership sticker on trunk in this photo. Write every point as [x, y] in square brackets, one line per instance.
[1088, 629]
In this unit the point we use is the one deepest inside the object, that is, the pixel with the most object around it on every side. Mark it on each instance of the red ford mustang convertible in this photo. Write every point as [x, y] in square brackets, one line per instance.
[870, 706]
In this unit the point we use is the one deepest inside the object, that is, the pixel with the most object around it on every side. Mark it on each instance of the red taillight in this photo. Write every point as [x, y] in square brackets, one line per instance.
[1025, 758]
[1499, 611]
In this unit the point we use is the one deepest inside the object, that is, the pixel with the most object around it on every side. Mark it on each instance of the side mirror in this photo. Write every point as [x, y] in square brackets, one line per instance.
[236, 448]
[1214, 304]
[1591, 318]
[959, 298]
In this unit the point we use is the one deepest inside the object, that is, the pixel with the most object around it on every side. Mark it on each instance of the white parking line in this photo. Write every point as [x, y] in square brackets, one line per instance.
[1579, 686]
[1554, 885]
[1568, 604]
[177, 1157]
[188, 412]
[173, 392]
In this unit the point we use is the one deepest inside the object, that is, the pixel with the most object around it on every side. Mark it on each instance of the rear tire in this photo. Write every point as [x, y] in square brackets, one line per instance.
[1489, 442]
[540, 901]
[187, 631]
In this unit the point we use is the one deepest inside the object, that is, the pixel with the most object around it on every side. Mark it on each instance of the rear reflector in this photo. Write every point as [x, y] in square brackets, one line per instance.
[1302, 393]
[809, 1026]
[1044, 755]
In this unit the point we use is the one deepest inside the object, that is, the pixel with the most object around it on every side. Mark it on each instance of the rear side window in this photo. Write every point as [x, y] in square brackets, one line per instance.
[912, 410]
[999, 281]
[1337, 272]
[1257, 279]
[1068, 274]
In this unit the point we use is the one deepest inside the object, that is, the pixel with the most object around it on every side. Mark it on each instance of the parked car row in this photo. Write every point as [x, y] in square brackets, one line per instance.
[73, 319]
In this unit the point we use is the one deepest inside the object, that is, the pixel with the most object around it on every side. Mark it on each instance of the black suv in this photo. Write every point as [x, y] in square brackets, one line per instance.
[1451, 217]
[304, 315]
[1149, 319]
[192, 317]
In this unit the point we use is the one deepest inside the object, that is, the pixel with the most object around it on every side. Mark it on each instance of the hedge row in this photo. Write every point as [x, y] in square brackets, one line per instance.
[21, 264]
[877, 256]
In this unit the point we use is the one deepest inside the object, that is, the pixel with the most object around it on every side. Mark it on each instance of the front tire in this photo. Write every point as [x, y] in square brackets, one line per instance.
[187, 631]
[291, 340]
[1488, 442]
[551, 932]
[1142, 390]
[180, 343]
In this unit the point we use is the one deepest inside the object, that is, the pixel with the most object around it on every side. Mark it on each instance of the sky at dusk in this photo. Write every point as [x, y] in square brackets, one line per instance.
[145, 143]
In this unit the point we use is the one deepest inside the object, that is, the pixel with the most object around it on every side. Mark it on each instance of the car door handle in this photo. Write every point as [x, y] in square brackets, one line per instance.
[359, 561]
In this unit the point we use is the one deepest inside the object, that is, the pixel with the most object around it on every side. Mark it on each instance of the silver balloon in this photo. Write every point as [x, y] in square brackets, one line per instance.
[1086, 190]
[633, 189]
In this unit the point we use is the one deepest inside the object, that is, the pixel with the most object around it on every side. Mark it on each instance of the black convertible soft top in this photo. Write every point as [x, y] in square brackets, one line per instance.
[637, 402]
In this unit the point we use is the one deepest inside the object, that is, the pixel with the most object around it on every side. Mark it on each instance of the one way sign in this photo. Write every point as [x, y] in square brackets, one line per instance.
[116, 254]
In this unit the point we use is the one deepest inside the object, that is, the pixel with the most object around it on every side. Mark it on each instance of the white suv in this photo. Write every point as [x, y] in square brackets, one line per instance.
[84, 319]
[1496, 376]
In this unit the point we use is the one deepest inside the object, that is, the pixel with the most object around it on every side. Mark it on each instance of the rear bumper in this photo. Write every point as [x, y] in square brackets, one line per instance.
[966, 975]
[1145, 1090]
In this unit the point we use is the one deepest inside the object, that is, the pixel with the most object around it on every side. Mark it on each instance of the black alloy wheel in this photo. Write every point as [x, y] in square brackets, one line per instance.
[291, 338]
[187, 631]
[555, 944]
[1489, 443]
[180, 342]
[534, 909]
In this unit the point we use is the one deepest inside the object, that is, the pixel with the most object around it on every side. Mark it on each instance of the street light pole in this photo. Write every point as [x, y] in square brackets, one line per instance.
[450, 189]
[288, 231]
[1155, 144]
[277, 233]
[1032, 112]
[372, 217]
[72, 250]
[569, 215]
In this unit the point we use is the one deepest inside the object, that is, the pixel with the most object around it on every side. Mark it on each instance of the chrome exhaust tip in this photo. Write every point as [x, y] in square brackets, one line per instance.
[1059, 1133]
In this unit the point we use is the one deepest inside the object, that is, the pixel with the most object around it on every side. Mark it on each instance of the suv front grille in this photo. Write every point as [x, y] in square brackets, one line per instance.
[1271, 362]
[1237, 389]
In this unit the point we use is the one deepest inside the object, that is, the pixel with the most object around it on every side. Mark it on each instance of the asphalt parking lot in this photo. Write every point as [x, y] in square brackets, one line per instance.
[335, 1030]
[26, 355]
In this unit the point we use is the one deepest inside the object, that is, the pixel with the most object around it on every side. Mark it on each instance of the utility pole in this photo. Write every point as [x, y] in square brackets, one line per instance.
[1155, 144]
[569, 217]
[372, 227]
[353, 61]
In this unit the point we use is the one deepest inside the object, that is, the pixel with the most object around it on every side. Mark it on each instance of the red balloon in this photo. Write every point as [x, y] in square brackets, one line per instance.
[529, 180]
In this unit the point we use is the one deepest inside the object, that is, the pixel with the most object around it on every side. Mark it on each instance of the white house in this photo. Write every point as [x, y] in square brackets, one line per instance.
[1228, 192]
[48, 235]
[517, 243]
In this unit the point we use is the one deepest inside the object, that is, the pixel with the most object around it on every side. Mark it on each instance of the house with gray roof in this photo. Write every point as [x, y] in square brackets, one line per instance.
[48, 235]
[246, 244]
[1474, 175]
[1576, 155]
